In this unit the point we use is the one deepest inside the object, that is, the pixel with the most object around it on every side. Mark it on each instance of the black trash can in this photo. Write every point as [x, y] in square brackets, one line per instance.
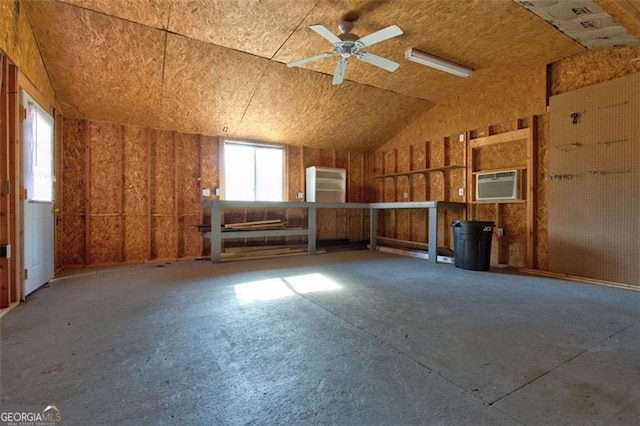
[472, 244]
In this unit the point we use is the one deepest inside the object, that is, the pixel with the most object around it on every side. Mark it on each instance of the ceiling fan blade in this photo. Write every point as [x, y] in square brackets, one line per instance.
[341, 67]
[324, 32]
[378, 61]
[309, 59]
[381, 35]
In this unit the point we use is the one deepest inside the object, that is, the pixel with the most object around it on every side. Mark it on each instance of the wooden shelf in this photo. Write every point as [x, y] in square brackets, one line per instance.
[421, 171]
[501, 169]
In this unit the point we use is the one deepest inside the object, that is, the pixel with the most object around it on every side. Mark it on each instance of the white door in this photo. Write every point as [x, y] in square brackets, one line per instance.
[37, 137]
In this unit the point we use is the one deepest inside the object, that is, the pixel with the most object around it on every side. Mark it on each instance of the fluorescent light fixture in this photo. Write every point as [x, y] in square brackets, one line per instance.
[419, 57]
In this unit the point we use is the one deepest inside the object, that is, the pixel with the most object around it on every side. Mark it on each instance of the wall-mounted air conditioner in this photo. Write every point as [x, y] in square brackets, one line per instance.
[502, 185]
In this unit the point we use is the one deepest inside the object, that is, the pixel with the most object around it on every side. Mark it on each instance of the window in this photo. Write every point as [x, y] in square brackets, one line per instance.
[38, 158]
[253, 171]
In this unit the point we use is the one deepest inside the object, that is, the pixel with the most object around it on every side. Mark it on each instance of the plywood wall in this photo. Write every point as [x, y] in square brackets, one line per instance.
[519, 94]
[131, 194]
[430, 170]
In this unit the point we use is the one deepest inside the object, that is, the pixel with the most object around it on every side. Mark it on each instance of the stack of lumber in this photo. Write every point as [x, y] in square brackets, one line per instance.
[261, 252]
[252, 226]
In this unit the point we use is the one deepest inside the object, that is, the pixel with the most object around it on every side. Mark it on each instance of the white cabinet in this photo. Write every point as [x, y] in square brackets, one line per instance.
[326, 185]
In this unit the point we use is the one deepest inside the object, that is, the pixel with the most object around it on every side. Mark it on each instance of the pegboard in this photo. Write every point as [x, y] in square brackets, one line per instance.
[594, 181]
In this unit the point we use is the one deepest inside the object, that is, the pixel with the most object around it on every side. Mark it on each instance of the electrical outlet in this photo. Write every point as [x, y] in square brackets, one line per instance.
[405, 195]
[300, 195]
[500, 232]
[461, 192]
[217, 192]
[461, 138]
[206, 192]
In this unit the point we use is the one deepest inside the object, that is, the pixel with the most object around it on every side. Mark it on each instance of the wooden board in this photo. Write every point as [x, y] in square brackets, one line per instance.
[91, 58]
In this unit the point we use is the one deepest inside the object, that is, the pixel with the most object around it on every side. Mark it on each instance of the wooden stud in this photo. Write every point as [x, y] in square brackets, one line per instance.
[148, 133]
[15, 166]
[5, 267]
[176, 209]
[532, 202]
[87, 180]
[122, 190]
[198, 188]
[57, 172]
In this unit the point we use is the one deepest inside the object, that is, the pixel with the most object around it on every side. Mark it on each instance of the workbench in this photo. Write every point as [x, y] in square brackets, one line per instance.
[217, 236]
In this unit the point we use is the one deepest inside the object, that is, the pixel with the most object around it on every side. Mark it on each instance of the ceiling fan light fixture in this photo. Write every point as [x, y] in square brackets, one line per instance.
[422, 58]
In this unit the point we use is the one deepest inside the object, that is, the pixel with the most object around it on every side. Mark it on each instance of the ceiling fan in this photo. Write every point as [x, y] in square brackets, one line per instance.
[346, 44]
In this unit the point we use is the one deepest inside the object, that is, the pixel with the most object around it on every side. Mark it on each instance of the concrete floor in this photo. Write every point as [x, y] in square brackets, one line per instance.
[343, 338]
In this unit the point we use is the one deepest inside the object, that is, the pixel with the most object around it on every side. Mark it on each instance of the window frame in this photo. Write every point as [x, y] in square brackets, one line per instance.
[254, 144]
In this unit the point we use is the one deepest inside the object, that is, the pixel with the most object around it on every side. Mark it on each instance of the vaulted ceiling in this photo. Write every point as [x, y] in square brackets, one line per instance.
[201, 66]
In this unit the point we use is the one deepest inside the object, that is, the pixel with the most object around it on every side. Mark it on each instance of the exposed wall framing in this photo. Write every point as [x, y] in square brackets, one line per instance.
[131, 194]
[432, 170]
[508, 146]
[10, 217]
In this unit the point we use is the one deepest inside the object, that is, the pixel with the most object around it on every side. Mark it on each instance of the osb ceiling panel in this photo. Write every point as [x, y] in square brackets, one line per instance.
[206, 87]
[300, 107]
[105, 68]
[153, 13]
[483, 35]
[255, 26]
[199, 66]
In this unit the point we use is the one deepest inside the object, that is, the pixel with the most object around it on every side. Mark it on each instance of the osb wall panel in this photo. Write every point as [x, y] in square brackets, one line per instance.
[164, 244]
[209, 167]
[593, 67]
[104, 240]
[209, 159]
[327, 158]
[105, 166]
[519, 94]
[136, 170]
[504, 155]
[356, 178]
[136, 238]
[143, 192]
[136, 194]
[190, 238]
[188, 193]
[403, 159]
[18, 42]
[73, 240]
[295, 172]
[412, 225]
[513, 220]
[419, 156]
[73, 164]
[162, 172]
[389, 162]
[341, 159]
[378, 163]
[73, 200]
